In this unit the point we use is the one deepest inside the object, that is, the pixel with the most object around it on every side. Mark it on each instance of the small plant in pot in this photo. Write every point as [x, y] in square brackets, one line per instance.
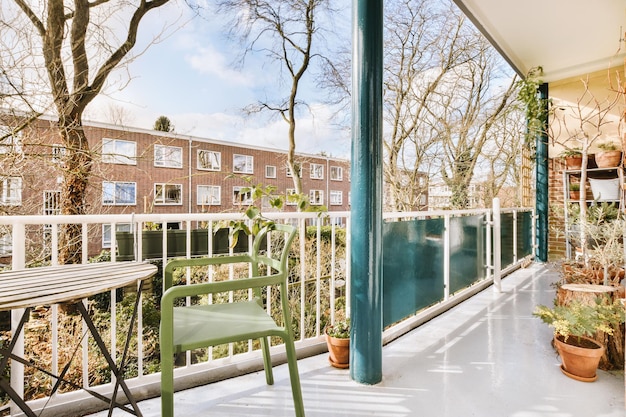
[609, 156]
[573, 158]
[574, 191]
[338, 342]
[574, 324]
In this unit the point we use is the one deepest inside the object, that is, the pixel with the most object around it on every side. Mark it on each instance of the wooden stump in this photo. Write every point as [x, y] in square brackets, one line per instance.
[613, 358]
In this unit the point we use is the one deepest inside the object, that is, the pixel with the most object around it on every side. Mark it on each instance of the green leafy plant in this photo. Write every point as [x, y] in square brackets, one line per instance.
[582, 319]
[535, 107]
[571, 153]
[340, 330]
[574, 186]
[608, 146]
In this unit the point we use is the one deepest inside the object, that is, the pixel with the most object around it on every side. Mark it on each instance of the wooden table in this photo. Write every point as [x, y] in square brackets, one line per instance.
[34, 287]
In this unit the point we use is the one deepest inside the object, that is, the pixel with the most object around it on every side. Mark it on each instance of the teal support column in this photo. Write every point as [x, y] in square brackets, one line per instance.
[541, 162]
[366, 192]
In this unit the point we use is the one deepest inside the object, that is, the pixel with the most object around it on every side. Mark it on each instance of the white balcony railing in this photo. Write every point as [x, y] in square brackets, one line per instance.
[319, 276]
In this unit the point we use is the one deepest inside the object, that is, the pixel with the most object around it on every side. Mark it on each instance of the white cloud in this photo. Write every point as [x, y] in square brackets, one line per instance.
[209, 60]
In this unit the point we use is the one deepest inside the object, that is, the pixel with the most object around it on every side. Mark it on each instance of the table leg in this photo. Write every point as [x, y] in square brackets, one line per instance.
[114, 368]
[6, 354]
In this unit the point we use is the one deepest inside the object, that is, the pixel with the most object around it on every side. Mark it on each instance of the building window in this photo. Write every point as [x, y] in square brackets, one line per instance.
[11, 191]
[209, 195]
[51, 203]
[118, 193]
[336, 173]
[209, 160]
[6, 243]
[58, 153]
[290, 200]
[10, 142]
[270, 171]
[168, 194]
[243, 164]
[316, 197]
[317, 171]
[168, 156]
[336, 198]
[117, 151]
[242, 195]
[298, 168]
[106, 232]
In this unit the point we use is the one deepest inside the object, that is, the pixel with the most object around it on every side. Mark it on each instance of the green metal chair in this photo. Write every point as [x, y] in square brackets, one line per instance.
[190, 327]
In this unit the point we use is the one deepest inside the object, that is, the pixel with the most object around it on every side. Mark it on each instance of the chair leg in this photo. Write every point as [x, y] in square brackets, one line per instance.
[167, 382]
[267, 361]
[294, 377]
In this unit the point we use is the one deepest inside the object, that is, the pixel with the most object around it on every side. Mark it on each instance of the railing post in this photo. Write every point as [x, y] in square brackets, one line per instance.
[18, 262]
[497, 245]
[446, 257]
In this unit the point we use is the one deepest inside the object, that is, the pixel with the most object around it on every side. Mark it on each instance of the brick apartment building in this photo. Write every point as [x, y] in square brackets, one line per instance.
[147, 171]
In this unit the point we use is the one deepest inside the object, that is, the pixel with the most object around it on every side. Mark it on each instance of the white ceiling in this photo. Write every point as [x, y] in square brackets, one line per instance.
[566, 38]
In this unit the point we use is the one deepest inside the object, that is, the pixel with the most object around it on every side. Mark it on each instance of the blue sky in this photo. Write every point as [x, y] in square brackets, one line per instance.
[188, 76]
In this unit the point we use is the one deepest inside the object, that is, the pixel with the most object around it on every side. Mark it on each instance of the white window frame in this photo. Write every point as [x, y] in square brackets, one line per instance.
[106, 232]
[316, 197]
[288, 171]
[336, 173]
[270, 171]
[288, 192]
[245, 165]
[213, 194]
[162, 192]
[58, 154]
[215, 160]
[336, 198]
[118, 151]
[317, 171]
[166, 156]
[11, 191]
[237, 200]
[113, 201]
[12, 143]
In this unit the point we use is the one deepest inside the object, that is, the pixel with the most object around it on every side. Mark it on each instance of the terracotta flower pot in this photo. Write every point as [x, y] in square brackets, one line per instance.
[580, 357]
[574, 162]
[339, 351]
[608, 159]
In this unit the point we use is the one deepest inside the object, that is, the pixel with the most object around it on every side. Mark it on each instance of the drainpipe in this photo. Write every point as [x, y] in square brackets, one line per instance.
[541, 162]
[366, 188]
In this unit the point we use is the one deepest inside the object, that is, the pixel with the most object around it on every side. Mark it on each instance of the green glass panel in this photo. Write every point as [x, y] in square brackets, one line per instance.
[506, 236]
[524, 234]
[412, 267]
[467, 251]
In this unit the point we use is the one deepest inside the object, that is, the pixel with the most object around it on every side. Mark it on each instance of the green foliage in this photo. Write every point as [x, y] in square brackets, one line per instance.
[534, 107]
[608, 146]
[574, 186]
[163, 124]
[581, 319]
[571, 152]
[340, 330]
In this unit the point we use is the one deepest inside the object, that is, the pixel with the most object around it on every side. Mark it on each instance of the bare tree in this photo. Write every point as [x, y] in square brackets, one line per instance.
[286, 32]
[77, 45]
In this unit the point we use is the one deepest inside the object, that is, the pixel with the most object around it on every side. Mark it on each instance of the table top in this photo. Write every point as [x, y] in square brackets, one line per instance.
[47, 285]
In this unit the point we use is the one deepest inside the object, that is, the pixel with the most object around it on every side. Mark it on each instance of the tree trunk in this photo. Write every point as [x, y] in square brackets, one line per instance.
[78, 163]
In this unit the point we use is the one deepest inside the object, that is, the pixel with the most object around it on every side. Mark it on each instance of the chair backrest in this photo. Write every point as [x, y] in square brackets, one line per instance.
[258, 255]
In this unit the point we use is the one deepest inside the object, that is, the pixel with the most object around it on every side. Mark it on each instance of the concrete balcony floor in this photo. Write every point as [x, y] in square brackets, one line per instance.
[486, 357]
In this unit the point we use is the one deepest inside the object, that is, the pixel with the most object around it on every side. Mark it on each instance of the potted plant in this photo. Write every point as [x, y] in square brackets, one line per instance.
[574, 324]
[610, 156]
[573, 158]
[574, 191]
[338, 342]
